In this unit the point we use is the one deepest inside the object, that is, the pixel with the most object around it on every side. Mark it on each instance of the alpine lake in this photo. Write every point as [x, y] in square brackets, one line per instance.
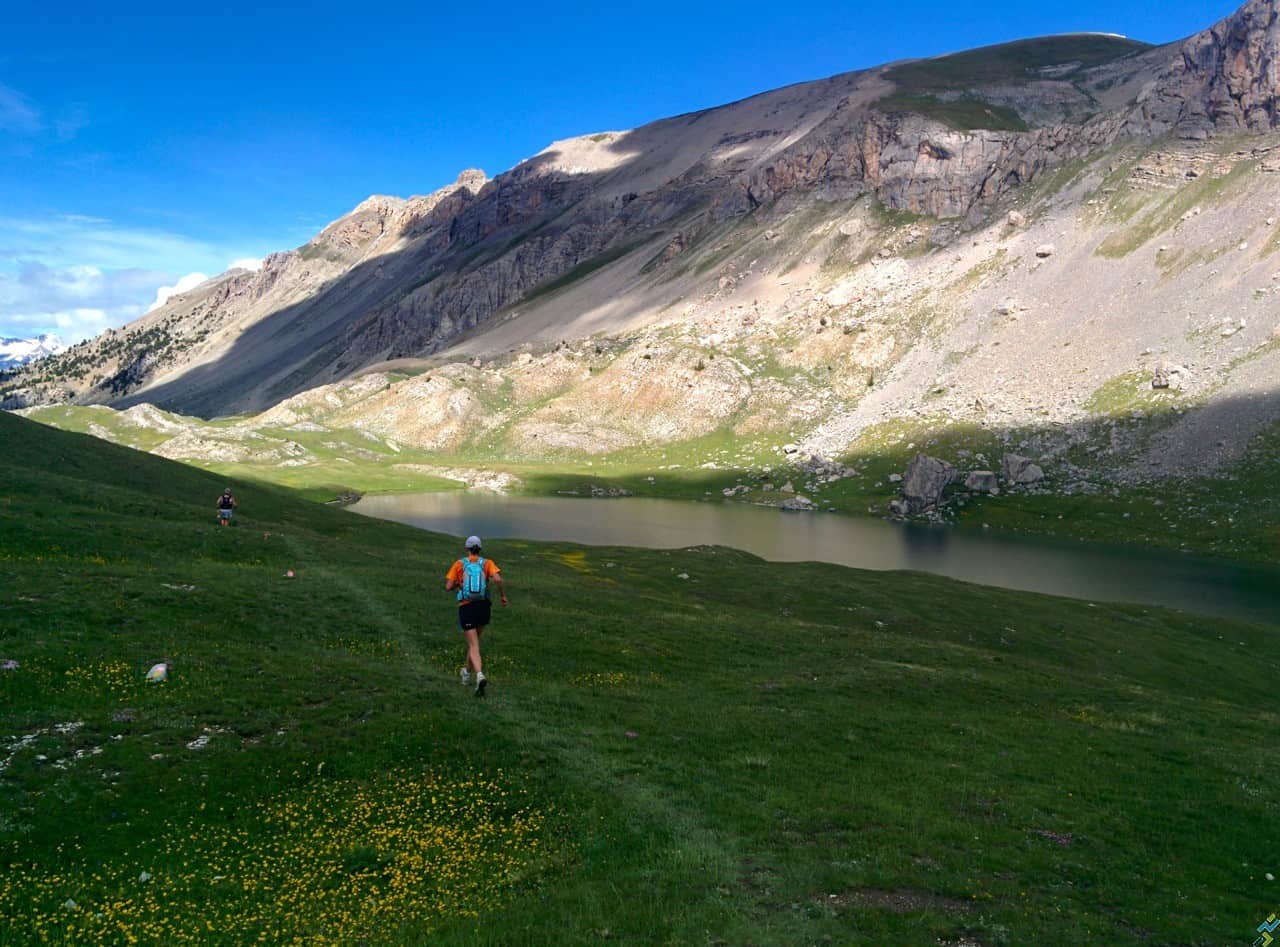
[1069, 568]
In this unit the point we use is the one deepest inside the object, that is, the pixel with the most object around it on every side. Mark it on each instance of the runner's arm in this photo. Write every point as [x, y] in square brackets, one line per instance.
[502, 593]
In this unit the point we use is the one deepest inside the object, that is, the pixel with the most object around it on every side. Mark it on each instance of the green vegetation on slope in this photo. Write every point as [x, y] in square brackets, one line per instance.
[726, 757]
[1233, 513]
[963, 114]
[1145, 220]
[582, 270]
[1128, 392]
[1015, 62]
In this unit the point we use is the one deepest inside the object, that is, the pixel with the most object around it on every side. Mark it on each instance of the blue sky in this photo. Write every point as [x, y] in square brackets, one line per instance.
[141, 143]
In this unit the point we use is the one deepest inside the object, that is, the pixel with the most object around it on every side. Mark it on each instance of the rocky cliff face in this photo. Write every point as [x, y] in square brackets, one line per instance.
[914, 165]
[1224, 79]
[510, 259]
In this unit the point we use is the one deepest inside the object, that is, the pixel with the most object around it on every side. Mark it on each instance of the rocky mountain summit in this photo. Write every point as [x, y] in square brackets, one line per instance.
[1065, 244]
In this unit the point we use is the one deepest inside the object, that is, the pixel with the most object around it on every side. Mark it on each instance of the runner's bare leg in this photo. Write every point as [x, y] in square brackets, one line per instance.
[473, 649]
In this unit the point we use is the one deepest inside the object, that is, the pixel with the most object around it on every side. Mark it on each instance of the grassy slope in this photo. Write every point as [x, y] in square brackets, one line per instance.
[1006, 64]
[1234, 515]
[343, 459]
[961, 114]
[893, 759]
[1009, 62]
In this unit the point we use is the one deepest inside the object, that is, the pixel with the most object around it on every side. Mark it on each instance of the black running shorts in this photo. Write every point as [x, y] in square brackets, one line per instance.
[473, 614]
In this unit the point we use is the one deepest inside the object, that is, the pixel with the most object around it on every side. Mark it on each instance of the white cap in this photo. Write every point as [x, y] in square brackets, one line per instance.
[472, 542]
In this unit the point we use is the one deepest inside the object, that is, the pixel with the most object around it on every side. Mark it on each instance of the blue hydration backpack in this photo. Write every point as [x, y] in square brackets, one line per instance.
[475, 587]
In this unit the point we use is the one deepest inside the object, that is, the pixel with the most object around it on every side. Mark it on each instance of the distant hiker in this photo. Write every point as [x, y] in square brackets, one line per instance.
[471, 576]
[226, 505]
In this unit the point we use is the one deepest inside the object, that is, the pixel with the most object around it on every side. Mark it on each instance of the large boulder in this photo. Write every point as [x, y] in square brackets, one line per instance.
[924, 481]
[982, 481]
[1021, 470]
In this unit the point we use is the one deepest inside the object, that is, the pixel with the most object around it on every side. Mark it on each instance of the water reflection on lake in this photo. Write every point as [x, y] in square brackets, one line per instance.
[1078, 570]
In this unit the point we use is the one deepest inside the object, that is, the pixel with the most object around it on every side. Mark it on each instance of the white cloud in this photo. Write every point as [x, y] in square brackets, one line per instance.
[59, 272]
[18, 114]
[68, 122]
[77, 301]
[82, 219]
[190, 281]
[70, 325]
[81, 323]
[75, 240]
[21, 116]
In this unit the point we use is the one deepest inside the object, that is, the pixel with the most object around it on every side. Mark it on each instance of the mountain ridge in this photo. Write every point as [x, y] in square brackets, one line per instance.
[915, 243]
[16, 352]
[529, 181]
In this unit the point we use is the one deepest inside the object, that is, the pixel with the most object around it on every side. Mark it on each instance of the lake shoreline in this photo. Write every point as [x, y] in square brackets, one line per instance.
[1055, 565]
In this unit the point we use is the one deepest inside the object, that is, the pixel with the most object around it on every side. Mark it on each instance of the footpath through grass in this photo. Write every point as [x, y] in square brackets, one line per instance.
[687, 747]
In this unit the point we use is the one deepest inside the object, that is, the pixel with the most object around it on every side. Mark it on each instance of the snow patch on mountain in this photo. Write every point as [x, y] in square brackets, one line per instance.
[15, 352]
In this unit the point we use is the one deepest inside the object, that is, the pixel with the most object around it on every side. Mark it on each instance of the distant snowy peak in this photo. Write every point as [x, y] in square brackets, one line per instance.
[14, 352]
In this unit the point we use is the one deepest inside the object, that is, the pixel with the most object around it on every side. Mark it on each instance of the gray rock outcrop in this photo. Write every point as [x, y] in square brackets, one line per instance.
[1021, 470]
[925, 480]
[982, 481]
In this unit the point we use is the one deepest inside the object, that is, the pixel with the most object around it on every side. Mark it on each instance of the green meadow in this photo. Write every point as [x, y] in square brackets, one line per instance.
[1233, 513]
[683, 747]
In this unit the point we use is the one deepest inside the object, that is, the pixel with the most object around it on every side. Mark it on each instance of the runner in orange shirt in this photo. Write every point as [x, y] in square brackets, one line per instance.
[471, 576]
